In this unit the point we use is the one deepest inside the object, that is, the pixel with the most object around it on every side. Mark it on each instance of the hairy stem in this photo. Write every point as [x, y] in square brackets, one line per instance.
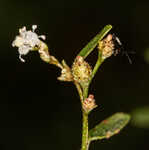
[83, 93]
[79, 91]
[85, 141]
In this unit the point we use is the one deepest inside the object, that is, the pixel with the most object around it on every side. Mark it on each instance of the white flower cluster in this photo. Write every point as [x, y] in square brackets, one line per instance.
[27, 41]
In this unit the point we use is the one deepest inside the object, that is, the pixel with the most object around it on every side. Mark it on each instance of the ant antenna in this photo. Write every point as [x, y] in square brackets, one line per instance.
[124, 52]
[118, 40]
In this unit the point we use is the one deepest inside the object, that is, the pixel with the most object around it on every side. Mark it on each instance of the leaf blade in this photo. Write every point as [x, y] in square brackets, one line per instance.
[93, 43]
[109, 127]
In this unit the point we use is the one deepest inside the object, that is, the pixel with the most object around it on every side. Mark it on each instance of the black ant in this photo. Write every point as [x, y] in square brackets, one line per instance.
[119, 47]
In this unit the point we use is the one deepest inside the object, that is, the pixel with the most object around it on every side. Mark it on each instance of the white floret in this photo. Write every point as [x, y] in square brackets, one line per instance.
[27, 41]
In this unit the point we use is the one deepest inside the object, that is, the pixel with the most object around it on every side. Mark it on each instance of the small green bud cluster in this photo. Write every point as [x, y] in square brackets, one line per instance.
[81, 71]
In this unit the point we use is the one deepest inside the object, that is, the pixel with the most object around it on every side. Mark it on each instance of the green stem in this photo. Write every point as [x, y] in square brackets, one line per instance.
[97, 65]
[79, 91]
[85, 141]
[83, 95]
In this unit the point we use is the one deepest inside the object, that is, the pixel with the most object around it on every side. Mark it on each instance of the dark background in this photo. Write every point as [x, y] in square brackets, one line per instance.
[37, 112]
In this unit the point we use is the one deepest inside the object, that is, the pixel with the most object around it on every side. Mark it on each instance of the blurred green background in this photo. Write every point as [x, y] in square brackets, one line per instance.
[37, 112]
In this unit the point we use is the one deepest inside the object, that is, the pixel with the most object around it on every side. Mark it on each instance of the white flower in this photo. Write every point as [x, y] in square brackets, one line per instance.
[27, 41]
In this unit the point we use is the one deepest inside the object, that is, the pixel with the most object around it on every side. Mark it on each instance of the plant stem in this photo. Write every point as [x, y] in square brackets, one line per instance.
[79, 91]
[97, 65]
[85, 141]
[83, 93]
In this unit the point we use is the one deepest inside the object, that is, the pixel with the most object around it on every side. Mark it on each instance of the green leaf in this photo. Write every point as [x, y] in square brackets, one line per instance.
[109, 127]
[140, 117]
[93, 43]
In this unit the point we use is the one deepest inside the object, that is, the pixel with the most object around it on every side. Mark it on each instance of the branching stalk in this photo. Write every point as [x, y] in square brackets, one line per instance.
[85, 139]
[81, 74]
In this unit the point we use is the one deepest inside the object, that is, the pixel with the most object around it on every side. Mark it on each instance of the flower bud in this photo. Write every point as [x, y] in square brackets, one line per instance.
[66, 74]
[106, 46]
[89, 103]
[81, 71]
